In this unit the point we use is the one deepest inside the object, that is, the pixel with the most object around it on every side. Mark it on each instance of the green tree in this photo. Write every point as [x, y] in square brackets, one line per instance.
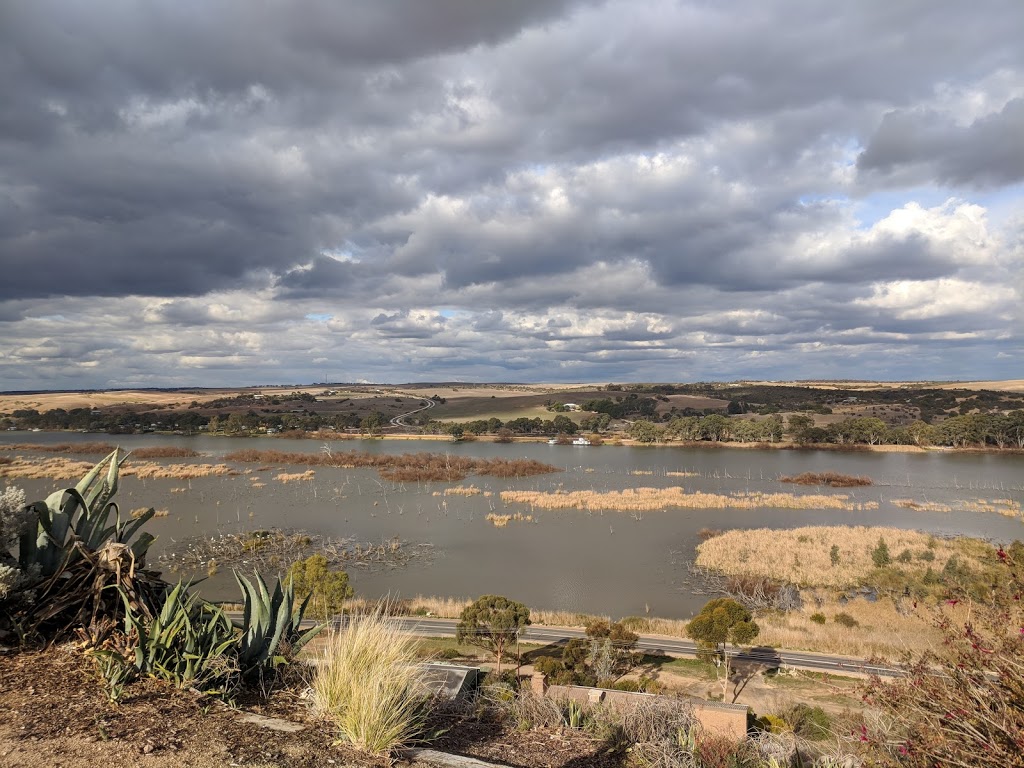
[329, 589]
[800, 426]
[880, 554]
[564, 425]
[644, 431]
[492, 622]
[721, 621]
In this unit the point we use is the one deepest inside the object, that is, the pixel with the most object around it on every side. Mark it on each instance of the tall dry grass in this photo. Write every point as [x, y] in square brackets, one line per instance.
[651, 499]
[803, 556]
[884, 628]
[368, 684]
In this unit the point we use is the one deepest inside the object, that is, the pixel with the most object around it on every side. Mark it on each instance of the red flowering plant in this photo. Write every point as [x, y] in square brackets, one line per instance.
[963, 703]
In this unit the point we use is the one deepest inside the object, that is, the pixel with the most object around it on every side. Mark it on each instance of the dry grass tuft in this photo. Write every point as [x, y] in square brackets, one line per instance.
[831, 479]
[652, 499]
[368, 684]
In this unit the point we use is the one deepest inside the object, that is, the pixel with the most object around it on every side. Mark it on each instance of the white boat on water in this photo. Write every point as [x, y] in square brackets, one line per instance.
[577, 441]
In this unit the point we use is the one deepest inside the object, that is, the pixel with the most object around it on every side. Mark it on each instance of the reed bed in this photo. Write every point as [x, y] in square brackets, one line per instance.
[462, 490]
[295, 477]
[500, 521]
[803, 556]
[66, 448]
[831, 479]
[685, 473]
[652, 499]
[1005, 507]
[61, 468]
[165, 452]
[406, 467]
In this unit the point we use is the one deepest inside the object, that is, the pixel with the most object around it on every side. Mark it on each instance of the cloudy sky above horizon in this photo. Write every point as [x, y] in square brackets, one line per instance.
[229, 192]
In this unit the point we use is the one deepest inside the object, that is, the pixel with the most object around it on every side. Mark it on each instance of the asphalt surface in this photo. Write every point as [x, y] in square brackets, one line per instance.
[430, 627]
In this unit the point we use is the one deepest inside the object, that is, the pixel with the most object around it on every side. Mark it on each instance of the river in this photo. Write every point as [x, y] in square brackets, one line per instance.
[604, 562]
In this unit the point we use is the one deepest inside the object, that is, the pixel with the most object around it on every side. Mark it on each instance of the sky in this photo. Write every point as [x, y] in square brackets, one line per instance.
[229, 192]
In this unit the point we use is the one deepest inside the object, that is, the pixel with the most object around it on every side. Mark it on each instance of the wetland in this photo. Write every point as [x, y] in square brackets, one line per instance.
[611, 531]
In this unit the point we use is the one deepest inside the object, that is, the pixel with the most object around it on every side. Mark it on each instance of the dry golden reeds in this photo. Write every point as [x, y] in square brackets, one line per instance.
[165, 452]
[1005, 507]
[500, 521]
[462, 490]
[831, 479]
[288, 477]
[803, 556]
[66, 448]
[651, 499]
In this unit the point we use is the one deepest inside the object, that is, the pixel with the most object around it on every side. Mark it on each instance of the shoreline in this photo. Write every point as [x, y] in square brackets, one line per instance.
[612, 441]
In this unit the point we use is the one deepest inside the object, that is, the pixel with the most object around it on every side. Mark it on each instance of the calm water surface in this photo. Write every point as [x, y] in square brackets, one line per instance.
[609, 562]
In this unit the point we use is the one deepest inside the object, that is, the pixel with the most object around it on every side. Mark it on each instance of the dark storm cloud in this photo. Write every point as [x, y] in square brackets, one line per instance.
[580, 185]
[925, 145]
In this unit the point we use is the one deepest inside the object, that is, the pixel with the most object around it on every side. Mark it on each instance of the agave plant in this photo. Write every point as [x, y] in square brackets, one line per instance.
[80, 546]
[270, 627]
[76, 519]
[189, 642]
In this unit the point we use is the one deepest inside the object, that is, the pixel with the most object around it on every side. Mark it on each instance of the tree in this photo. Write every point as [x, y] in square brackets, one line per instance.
[492, 622]
[721, 621]
[644, 431]
[564, 425]
[880, 554]
[799, 427]
[328, 589]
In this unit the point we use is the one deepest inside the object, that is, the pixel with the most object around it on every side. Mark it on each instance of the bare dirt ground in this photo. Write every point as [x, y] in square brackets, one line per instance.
[57, 716]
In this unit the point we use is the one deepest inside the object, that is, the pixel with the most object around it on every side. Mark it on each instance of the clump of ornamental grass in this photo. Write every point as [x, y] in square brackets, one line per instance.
[368, 684]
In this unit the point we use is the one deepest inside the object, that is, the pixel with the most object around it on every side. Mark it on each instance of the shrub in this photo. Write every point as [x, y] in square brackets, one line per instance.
[927, 556]
[833, 555]
[327, 589]
[818, 618]
[809, 722]
[880, 554]
[367, 683]
[846, 620]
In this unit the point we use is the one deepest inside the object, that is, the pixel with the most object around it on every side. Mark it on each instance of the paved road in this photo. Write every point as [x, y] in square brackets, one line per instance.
[430, 627]
[398, 421]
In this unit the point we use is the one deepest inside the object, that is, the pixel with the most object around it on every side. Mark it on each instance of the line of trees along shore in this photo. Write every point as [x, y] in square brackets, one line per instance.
[974, 430]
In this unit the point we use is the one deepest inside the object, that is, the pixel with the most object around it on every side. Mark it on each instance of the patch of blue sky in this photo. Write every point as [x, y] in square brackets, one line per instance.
[1000, 203]
[319, 317]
